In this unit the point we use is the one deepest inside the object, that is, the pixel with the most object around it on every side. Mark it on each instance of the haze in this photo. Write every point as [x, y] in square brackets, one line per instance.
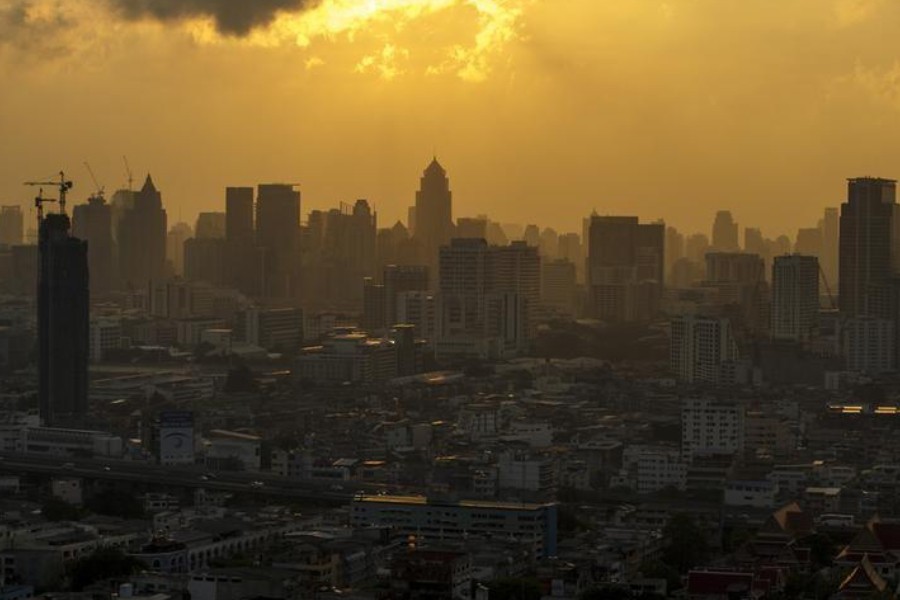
[540, 110]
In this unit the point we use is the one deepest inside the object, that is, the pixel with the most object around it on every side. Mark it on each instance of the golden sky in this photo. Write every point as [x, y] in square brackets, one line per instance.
[541, 110]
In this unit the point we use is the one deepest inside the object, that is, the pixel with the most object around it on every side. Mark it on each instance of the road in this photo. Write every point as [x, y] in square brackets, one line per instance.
[182, 476]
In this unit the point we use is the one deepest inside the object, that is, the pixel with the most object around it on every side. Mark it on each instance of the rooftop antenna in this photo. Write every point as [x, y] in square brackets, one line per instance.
[128, 172]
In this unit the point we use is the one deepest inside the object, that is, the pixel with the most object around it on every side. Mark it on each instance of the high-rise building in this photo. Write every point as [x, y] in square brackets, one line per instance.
[487, 295]
[795, 297]
[176, 238]
[869, 236]
[867, 344]
[204, 260]
[674, 248]
[467, 227]
[398, 279]
[63, 323]
[725, 232]
[142, 238]
[740, 280]
[711, 427]
[12, 226]
[433, 225]
[625, 268]
[699, 348]
[809, 241]
[695, 247]
[243, 256]
[558, 283]
[92, 222]
[830, 229]
[210, 225]
[278, 233]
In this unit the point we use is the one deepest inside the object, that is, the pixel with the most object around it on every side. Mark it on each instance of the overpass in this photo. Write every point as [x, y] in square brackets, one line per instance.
[191, 477]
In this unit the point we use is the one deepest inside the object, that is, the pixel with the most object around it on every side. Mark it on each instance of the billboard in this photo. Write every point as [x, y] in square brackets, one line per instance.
[176, 437]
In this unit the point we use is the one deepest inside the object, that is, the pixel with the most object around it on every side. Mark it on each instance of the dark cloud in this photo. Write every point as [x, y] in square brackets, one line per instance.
[232, 17]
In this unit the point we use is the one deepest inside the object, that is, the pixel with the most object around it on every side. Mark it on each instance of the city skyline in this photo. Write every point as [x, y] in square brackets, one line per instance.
[637, 117]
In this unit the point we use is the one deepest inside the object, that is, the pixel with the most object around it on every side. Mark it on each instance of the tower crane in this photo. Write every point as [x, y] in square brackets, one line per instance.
[64, 185]
[39, 202]
[100, 189]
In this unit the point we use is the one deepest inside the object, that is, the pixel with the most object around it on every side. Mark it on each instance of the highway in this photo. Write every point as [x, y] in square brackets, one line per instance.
[192, 476]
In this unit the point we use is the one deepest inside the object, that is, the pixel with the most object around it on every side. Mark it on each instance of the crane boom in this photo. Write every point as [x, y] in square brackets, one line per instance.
[128, 172]
[64, 185]
[100, 188]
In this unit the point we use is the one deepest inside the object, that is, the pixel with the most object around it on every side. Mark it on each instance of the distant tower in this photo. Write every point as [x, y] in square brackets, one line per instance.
[12, 226]
[795, 297]
[434, 212]
[278, 233]
[142, 237]
[868, 240]
[92, 222]
[63, 323]
[725, 232]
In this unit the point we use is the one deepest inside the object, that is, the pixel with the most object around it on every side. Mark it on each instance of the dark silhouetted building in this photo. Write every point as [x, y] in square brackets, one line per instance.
[210, 225]
[868, 247]
[12, 226]
[63, 323]
[243, 256]
[204, 260]
[795, 297]
[398, 279]
[142, 238]
[92, 222]
[278, 234]
[433, 225]
[725, 232]
[624, 268]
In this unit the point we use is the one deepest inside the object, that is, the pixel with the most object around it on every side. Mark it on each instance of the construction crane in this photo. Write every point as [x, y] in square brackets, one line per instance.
[39, 202]
[100, 189]
[64, 185]
[128, 172]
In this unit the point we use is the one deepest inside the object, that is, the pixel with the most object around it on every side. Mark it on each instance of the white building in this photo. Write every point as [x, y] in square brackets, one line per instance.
[523, 472]
[711, 427]
[105, 335]
[224, 446]
[795, 297]
[867, 344]
[348, 357]
[754, 494]
[699, 347]
[647, 469]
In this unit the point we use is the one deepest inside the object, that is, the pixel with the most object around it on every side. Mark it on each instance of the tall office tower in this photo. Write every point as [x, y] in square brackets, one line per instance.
[278, 234]
[339, 250]
[467, 227]
[486, 298]
[572, 250]
[674, 249]
[532, 235]
[869, 236]
[433, 226]
[398, 279]
[700, 347]
[625, 266]
[808, 242]
[178, 235]
[725, 232]
[374, 311]
[243, 258]
[754, 242]
[121, 202]
[63, 323]
[830, 229]
[549, 243]
[795, 297]
[210, 225]
[695, 247]
[12, 226]
[92, 222]
[740, 281]
[558, 281]
[142, 238]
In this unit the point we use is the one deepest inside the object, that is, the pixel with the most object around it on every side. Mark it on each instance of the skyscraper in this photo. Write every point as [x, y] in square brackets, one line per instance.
[869, 236]
[63, 323]
[142, 237]
[210, 225]
[624, 268]
[699, 347]
[397, 280]
[92, 222]
[725, 232]
[828, 261]
[433, 225]
[12, 226]
[242, 255]
[795, 297]
[278, 234]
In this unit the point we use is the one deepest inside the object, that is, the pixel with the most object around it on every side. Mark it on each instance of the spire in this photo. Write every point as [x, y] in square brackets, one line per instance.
[148, 185]
[435, 168]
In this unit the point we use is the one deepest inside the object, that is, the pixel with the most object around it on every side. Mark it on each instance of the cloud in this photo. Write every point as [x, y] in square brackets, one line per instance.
[231, 17]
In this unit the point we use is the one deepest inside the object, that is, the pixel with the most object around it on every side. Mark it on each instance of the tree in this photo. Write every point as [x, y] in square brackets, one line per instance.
[512, 588]
[55, 509]
[685, 543]
[115, 503]
[103, 563]
[656, 569]
[240, 379]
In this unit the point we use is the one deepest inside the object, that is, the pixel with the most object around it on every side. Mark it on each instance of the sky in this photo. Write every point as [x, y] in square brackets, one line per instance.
[540, 110]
